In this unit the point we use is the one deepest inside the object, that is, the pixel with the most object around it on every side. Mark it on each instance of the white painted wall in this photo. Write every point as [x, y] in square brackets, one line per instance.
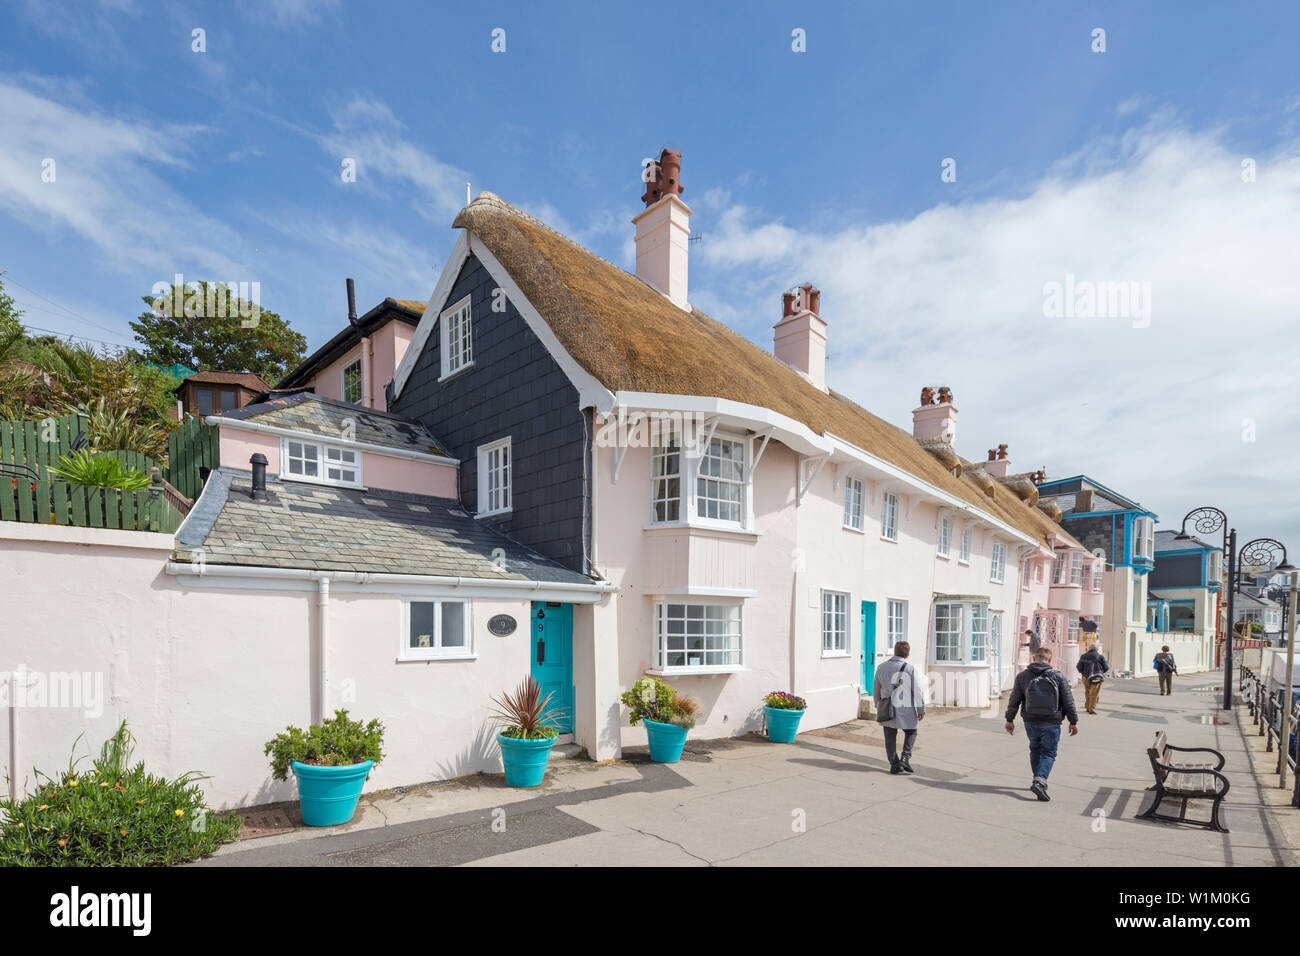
[206, 676]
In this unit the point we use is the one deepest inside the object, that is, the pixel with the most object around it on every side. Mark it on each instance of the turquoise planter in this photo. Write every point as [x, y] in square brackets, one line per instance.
[666, 741]
[525, 760]
[328, 795]
[782, 725]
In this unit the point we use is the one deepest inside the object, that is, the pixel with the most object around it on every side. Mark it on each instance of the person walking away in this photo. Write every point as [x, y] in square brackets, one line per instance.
[900, 705]
[1042, 696]
[1092, 666]
[1165, 670]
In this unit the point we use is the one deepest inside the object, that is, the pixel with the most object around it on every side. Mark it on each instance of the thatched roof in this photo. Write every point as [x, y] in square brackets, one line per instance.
[631, 338]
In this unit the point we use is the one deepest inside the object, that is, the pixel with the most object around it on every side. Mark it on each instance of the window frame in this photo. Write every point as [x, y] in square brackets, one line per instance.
[343, 381]
[964, 549]
[964, 638]
[436, 651]
[889, 507]
[690, 474]
[855, 500]
[465, 342]
[659, 649]
[664, 451]
[890, 604]
[998, 563]
[1144, 531]
[832, 650]
[943, 546]
[485, 470]
[323, 448]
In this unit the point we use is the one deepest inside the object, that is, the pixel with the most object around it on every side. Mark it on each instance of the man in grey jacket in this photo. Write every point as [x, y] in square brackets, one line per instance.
[1043, 695]
[896, 682]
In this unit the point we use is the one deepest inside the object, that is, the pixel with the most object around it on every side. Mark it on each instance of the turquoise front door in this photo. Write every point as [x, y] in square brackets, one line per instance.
[868, 646]
[552, 647]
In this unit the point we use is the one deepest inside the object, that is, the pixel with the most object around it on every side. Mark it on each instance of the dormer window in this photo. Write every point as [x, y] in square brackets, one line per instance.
[717, 478]
[1144, 538]
[352, 382]
[320, 463]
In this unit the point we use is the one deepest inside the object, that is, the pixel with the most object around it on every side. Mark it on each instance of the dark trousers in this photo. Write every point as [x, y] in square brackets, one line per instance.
[1166, 682]
[1044, 737]
[891, 742]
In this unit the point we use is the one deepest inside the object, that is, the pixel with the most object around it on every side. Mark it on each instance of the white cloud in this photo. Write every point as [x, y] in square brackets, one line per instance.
[954, 296]
[108, 185]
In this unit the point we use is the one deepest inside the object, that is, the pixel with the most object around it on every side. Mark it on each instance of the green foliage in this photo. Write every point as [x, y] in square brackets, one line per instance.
[652, 699]
[9, 313]
[526, 714]
[780, 700]
[112, 815]
[202, 327]
[334, 742]
[86, 467]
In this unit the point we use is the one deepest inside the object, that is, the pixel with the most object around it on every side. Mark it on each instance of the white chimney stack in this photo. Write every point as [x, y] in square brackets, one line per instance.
[663, 230]
[800, 336]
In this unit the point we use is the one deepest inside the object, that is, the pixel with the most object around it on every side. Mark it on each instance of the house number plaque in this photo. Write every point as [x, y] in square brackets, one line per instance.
[502, 624]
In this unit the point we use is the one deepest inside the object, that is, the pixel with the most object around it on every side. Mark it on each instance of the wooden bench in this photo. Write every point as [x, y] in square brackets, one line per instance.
[1185, 781]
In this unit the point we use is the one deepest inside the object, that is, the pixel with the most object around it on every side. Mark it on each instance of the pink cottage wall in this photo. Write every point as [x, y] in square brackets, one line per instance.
[377, 470]
[384, 350]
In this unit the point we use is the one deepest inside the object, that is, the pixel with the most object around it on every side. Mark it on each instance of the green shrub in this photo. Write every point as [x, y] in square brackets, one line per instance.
[95, 468]
[526, 714]
[112, 815]
[652, 699]
[334, 742]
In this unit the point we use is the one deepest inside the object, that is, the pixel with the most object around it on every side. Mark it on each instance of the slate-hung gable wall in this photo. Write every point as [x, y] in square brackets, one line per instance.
[514, 388]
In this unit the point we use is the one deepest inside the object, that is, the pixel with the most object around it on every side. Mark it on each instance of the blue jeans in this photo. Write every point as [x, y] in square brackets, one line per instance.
[1043, 739]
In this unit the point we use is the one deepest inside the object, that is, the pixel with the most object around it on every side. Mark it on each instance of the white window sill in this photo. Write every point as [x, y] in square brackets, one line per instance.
[699, 526]
[463, 368]
[834, 655]
[715, 670]
[943, 557]
[969, 665]
[437, 657]
[890, 540]
[494, 514]
[997, 580]
[324, 482]
[964, 562]
[849, 527]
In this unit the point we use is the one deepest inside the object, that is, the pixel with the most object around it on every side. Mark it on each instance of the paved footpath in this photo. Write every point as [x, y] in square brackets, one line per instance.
[828, 800]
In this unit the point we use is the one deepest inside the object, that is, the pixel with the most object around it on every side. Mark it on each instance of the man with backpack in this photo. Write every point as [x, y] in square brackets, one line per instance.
[900, 705]
[1165, 669]
[1093, 667]
[1042, 695]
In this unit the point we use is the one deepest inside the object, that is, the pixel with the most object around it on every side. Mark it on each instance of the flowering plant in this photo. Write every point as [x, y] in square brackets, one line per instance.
[780, 700]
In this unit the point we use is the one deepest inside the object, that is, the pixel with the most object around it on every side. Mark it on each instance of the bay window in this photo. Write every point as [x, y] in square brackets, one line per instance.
[964, 632]
[717, 478]
[1076, 569]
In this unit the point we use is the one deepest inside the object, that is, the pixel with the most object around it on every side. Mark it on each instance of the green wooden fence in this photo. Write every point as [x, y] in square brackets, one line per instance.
[191, 452]
[39, 444]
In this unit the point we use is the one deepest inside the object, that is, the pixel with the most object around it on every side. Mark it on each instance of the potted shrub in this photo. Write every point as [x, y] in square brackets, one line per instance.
[331, 761]
[783, 712]
[668, 716]
[529, 733]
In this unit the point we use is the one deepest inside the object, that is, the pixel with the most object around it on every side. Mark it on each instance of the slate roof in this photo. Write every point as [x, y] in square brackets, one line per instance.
[306, 412]
[631, 338]
[325, 528]
[1165, 542]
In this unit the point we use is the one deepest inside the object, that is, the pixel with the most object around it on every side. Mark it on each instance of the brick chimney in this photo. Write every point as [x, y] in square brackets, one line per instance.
[998, 464]
[663, 230]
[936, 416]
[800, 336]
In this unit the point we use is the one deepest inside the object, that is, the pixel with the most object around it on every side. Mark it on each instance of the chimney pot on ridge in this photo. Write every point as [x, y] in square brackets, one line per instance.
[800, 336]
[937, 418]
[663, 230]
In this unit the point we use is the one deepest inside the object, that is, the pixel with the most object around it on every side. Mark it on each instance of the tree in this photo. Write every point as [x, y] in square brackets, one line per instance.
[209, 325]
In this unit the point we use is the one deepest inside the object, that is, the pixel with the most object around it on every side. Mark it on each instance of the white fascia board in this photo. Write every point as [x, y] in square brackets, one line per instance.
[591, 393]
[248, 577]
[244, 424]
[904, 477]
[792, 433]
[432, 309]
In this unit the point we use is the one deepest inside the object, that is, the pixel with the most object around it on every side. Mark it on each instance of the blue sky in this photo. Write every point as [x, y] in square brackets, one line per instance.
[821, 166]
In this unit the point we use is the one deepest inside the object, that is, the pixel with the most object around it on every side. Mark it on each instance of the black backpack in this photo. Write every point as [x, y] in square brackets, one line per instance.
[1042, 697]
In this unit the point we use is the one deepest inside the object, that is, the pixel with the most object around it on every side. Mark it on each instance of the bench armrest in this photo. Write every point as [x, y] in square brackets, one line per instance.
[1208, 750]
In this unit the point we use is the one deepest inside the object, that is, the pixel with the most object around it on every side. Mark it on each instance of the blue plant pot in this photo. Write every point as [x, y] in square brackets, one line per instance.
[782, 725]
[666, 741]
[328, 795]
[525, 760]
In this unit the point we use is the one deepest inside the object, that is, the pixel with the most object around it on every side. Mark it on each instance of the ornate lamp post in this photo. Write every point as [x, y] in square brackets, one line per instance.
[1207, 520]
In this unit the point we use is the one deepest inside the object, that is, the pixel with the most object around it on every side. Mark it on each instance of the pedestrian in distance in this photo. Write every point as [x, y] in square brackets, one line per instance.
[1165, 670]
[1042, 696]
[900, 705]
[1093, 667]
